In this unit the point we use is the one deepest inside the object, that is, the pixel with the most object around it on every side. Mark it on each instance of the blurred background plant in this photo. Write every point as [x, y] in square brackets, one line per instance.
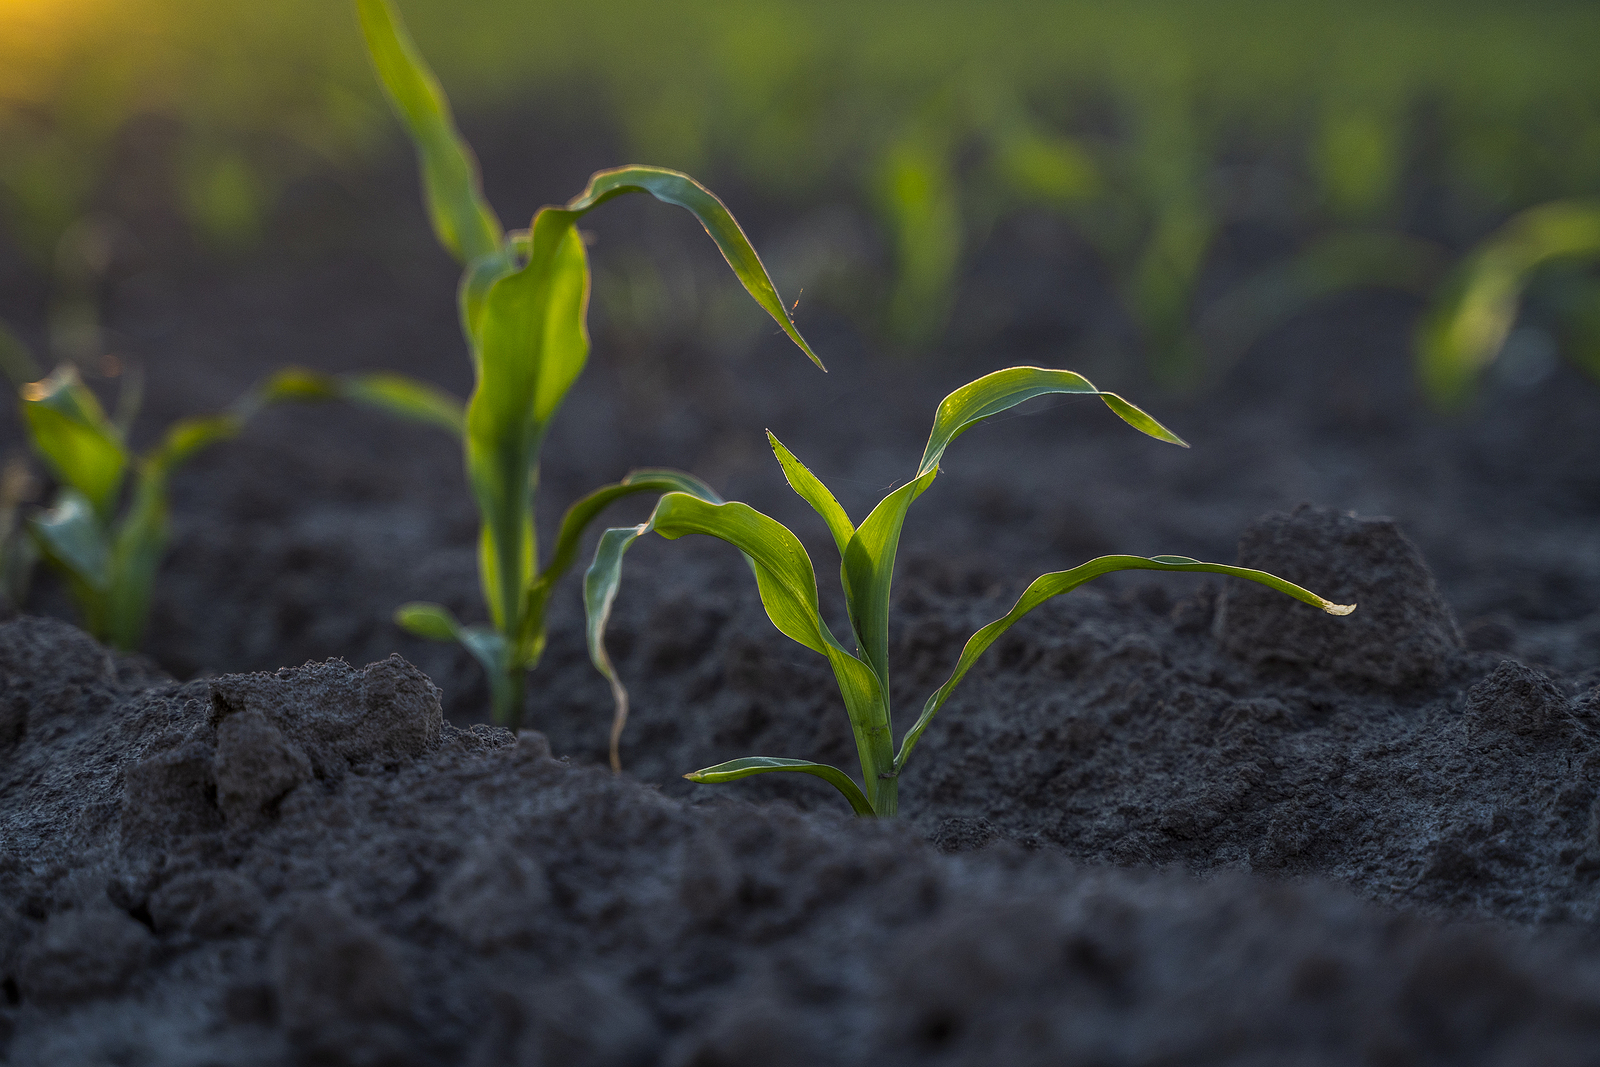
[1377, 143]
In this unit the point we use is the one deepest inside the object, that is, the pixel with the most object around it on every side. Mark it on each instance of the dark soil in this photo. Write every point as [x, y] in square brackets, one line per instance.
[1170, 821]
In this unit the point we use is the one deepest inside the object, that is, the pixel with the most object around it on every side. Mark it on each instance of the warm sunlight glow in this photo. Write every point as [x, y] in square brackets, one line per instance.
[38, 36]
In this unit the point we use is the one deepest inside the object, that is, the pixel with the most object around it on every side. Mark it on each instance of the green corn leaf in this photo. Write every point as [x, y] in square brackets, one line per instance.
[813, 492]
[70, 431]
[586, 510]
[139, 540]
[788, 587]
[671, 187]
[482, 274]
[492, 652]
[187, 437]
[406, 397]
[291, 383]
[1005, 389]
[72, 537]
[733, 770]
[868, 572]
[394, 394]
[600, 586]
[573, 525]
[433, 621]
[1056, 583]
[787, 582]
[530, 345]
[1467, 325]
[462, 219]
[919, 193]
[136, 552]
[436, 622]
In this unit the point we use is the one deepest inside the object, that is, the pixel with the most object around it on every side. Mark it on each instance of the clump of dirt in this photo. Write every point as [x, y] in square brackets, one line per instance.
[312, 867]
[1403, 637]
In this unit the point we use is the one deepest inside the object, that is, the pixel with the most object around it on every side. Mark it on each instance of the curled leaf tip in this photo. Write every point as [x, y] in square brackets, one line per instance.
[1338, 609]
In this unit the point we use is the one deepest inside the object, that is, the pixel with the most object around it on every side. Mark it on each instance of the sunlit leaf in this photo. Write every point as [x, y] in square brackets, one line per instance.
[1468, 323]
[1056, 583]
[188, 436]
[1005, 389]
[432, 621]
[408, 398]
[462, 219]
[531, 343]
[394, 394]
[813, 492]
[71, 433]
[671, 187]
[733, 770]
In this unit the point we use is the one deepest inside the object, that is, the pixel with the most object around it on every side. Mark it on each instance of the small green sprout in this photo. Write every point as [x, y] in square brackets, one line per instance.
[1467, 326]
[524, 301]
[109, 560]
[788, 584]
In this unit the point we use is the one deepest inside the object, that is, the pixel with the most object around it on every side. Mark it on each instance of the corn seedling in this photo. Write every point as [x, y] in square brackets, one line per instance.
[1467, 326]
[788, 586]
[108, 557]
[523, 302]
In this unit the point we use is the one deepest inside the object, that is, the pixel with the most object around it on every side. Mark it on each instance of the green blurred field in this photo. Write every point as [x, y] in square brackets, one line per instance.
[1150, 124]
[795, 93]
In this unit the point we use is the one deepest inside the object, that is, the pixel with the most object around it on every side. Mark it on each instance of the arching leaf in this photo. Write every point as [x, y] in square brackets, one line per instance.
[733, 770]
[1056, 583]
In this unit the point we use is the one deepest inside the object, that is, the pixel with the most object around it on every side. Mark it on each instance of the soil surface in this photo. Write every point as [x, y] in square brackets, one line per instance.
[1164, 821]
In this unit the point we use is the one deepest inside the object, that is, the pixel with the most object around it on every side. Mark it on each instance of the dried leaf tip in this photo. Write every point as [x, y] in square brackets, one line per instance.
[1337, 609]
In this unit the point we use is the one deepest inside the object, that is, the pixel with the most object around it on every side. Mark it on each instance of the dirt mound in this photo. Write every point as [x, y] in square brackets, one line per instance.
[309, 866]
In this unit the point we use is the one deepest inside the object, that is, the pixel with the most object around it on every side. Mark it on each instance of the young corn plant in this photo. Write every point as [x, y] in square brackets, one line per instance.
[108, 555]
[1473, 314]
[788, 586]
[523, 303]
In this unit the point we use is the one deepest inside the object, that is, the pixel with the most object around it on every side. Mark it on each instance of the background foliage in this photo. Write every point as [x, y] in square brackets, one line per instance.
[1152, 124]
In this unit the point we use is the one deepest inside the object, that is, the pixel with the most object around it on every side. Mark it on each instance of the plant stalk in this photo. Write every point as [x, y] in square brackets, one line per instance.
[506, 698]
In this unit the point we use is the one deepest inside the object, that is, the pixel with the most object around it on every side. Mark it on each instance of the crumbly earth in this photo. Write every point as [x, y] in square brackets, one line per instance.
[1164, 821]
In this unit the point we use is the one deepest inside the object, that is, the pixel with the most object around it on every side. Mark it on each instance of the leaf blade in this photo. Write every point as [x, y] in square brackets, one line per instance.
[585, 510]
[1467, 325]
[674, 187]
[462, 219]
[1002, 390]
[813, 492]
[788, 589]
[434, 622]
[71, 433]
[532, 342]
[749, 765]
[1057, 583]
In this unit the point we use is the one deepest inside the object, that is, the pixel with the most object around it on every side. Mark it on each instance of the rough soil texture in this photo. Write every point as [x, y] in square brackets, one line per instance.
[1164, 821]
